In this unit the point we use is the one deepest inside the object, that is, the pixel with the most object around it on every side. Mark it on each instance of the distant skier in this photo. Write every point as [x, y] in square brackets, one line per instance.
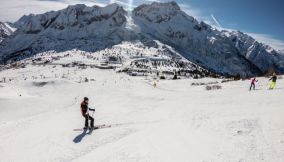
[252, 84]
[85, 113]
[155, 84]
[273, 83]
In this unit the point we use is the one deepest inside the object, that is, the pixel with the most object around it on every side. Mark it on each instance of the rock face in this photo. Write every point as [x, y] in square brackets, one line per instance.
[261, 55]
[78, 16]
[96, 28]
[281, 52]
[5, 31]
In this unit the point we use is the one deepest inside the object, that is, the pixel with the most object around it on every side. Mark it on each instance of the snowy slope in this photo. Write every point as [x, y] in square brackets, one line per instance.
[173, 122]
[146, 58]
[5, 31]
[93, 29]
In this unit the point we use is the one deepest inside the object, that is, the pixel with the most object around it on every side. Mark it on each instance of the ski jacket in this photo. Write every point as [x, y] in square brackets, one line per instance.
[85, 108]
[253, 80]
[274, 78]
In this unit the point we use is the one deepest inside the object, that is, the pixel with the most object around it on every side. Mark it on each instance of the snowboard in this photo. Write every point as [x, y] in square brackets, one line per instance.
[96, 127]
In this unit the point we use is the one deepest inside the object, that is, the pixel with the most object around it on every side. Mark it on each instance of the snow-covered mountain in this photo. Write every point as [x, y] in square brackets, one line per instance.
[281, 52]
[261, 55]
[93, 29]
[5, 30]
[195, 40]
[79, 26]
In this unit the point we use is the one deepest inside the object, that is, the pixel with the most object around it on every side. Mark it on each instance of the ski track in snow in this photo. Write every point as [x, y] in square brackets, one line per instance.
[173, 122]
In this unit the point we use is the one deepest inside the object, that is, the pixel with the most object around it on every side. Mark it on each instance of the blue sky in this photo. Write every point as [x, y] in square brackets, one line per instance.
[257, 17]
[262, 19]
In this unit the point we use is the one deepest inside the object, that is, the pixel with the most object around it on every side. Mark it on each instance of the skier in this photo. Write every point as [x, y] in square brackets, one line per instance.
[85, 113]
[273, 83]
[155, 84]
[252, 84]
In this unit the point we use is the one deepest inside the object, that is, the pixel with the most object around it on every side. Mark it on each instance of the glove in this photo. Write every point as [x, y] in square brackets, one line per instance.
[92, 109]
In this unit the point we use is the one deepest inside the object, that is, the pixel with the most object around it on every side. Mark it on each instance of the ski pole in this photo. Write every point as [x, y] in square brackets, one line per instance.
[93, 115]
[88, 115]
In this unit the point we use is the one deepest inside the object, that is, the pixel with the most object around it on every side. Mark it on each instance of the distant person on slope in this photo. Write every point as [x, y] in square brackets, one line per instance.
[252, 84]
[85, 113]
[273, 83]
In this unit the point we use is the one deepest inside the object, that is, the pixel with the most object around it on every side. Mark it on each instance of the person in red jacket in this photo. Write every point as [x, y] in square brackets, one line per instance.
[252, 84]
[85, 113]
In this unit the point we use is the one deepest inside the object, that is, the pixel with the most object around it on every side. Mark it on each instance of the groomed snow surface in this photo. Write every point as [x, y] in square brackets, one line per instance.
[174, 122]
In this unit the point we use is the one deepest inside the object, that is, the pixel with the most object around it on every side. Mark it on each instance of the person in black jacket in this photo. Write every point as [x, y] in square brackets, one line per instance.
[85, 113]
[273, 83]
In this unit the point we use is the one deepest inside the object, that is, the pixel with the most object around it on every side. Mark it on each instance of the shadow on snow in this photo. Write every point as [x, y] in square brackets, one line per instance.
[80, 137]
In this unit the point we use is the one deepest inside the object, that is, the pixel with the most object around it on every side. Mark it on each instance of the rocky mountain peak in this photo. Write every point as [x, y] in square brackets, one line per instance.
[158, 12]
[78, 16]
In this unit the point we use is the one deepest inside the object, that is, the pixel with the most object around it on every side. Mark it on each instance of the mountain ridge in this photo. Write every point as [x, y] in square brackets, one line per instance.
[5, 30]
[96, 28]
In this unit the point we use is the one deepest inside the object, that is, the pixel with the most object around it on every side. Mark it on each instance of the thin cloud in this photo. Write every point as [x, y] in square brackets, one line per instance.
[269, 40]
[192, 11]
[216, 21]
[12, 10]
[152, 1]
[199, 15]
[213, 21]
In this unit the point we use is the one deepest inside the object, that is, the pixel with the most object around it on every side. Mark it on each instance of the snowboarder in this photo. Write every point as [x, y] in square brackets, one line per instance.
[85, 113]
[273, 83]
[252, 84]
